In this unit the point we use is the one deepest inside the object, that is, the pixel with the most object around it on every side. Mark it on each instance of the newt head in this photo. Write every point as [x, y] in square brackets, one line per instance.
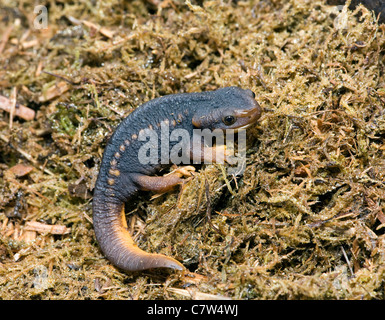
[228, 108]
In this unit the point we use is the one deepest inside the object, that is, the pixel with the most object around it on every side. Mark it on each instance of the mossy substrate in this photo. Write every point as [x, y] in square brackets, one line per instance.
[304, 221]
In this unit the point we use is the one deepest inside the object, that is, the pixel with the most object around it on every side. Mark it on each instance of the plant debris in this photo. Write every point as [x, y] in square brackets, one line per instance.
[304, 221]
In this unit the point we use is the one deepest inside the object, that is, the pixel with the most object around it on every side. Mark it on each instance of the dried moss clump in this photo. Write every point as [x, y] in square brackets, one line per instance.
[305, 221]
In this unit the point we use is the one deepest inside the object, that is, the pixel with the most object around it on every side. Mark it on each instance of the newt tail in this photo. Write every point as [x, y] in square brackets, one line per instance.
[125, 170]
[117, 244]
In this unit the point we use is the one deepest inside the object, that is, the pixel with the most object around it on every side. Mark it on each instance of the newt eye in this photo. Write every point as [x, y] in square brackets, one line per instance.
[229, 120]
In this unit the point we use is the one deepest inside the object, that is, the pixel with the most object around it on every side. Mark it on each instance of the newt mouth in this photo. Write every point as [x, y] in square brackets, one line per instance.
[249, 116]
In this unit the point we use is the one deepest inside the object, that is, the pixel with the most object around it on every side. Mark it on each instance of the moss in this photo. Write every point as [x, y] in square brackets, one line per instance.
[305, 221]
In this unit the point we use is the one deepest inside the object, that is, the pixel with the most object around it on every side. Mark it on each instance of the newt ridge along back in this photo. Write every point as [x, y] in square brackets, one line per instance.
[123, 172]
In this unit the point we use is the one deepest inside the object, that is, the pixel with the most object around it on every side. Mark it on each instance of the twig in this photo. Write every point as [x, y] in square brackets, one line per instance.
[19, 110]
[13, 106]
[196, 295]
[5, 37]
[223, 169]
[102, 30]
[347, 260]
[54, 91]
[46, 228]
[26, 155]
[28, 189]
[59, 76]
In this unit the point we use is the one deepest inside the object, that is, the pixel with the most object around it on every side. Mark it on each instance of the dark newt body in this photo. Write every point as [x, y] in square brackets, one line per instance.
[122, 174]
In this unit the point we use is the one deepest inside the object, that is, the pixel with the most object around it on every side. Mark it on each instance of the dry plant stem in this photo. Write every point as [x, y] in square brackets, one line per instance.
[19, 110]
[5, 37]
[312, 188]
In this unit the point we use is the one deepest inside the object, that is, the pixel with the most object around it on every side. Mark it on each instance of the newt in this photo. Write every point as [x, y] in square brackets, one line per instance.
[122, 173]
